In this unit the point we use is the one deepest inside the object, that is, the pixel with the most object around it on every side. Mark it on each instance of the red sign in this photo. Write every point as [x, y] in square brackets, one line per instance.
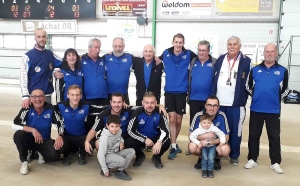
[124, 8]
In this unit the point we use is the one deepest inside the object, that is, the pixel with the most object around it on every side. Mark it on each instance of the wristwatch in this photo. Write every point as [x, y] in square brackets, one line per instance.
[208, 142]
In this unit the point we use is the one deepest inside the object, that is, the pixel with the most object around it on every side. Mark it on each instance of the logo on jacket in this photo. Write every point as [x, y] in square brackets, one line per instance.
[101, 63]
[184, 57]
[209, 65]
[66, 110]
[32, 114]
[259, 71]
[111, 59]
[124, 60]
[81, 112]
[168, 55]
[79, 73]
[154, 119]
[217, 124]
[84, 63]
[123, 118]
[67, 74]
[142, 122]
[37, 69]
[277, 73]
[195, 65]
[47, 116]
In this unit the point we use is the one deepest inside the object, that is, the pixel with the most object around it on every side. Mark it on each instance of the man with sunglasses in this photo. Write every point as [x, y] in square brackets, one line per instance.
[219, 120]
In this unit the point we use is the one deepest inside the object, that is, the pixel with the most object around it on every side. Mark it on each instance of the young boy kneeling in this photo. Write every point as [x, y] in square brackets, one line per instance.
[111, 153]
[209, 151]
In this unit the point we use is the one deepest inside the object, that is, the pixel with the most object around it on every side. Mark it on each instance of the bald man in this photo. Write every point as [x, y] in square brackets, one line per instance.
[36, 69]
[148, 74]
[267, 84]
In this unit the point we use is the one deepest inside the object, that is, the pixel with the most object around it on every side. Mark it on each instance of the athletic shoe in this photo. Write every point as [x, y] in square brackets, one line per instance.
[41, 159]
[198, 165]
[24, 168]
[81, 159]
[66, 161]
[217, 164]
[29, 156]
[234, 161]
[204, 173]
[276, 168]
[210, 173]
[250, 164]
[123, 175]
[179, 150]
[188, 152]
[157, 162]
[139, 160]
[172, 154]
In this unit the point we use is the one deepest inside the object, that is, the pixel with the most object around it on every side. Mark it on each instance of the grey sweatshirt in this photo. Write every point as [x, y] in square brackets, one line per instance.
[108, 143]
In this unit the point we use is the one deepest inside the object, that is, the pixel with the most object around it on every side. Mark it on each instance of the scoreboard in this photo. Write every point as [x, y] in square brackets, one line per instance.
[48, 9]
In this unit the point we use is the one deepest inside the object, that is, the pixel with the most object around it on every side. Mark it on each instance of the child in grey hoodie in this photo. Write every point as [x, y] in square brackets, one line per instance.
[111, 153]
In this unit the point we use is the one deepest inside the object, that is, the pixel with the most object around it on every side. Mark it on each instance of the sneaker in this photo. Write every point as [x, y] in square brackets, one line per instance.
[172, 154]
[250, 164]
[66, 161]
[179, 150]
[210, 174]
[139, 160]
[24, 168]
[81, 159]
[123, 175]
[29, 156]
[157, 162]
[198, 165]
[217, 164]
[234, 161]
[41, 159]
[188, 152]
[276, 168]
[204, 173]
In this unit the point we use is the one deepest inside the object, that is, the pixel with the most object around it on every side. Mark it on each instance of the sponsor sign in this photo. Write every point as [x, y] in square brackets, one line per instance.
[124, 8]
[188, 7]
[244, 7]
[51, 26]
[255, 51]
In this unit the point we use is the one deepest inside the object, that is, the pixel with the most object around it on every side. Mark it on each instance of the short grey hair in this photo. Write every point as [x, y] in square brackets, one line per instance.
[234, 38]
[151, 46]
[121, 38]
[91, 42]
[204, 42]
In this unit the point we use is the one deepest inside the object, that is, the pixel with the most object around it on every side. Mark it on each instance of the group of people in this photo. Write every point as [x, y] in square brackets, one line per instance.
[97, 88]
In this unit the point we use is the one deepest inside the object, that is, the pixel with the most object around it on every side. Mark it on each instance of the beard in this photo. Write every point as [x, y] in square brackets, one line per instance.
[118, 53]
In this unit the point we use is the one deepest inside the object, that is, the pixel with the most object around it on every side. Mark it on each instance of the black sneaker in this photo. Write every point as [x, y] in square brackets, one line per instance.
[81, 159]
[139, 160]
[157, 162]
[123, 175]
[66, 161]
[198, 165]
[204, 173]
[217, 164]
[210, 173]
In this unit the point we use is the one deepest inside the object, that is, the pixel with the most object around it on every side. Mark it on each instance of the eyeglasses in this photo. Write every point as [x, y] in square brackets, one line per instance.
[35, 97]
[212, 106]
[202, 50]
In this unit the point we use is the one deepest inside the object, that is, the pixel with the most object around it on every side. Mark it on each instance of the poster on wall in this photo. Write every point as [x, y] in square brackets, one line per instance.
[255, 51]
[192, 44]
[187, 7]
[128, 8]
[244, 7]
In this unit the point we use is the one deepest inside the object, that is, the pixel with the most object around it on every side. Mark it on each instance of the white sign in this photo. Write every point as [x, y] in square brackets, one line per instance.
[51, 26]
[187, 7]
[255, 51]
[192, 44]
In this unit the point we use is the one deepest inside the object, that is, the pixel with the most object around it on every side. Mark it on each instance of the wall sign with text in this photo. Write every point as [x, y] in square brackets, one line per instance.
[126, 8]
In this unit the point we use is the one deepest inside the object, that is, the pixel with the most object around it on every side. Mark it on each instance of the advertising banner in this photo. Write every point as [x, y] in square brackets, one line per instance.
[51, 26]
[244, 7]
[128, 8]
[188, 7]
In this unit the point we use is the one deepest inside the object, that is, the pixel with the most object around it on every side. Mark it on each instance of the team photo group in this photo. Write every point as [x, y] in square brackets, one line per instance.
[93, 115]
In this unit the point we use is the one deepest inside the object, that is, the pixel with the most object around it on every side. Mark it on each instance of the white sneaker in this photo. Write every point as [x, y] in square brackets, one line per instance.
[24, 168]
[276, 168]
[251, 164]
[41, 159]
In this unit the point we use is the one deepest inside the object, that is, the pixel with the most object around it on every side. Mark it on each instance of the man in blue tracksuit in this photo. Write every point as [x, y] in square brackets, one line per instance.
[118, 66]
[230, 74]
[74, 111]
[36, 69]
[176, 62]
[33, 131]
[148, 127]
[267, 84]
